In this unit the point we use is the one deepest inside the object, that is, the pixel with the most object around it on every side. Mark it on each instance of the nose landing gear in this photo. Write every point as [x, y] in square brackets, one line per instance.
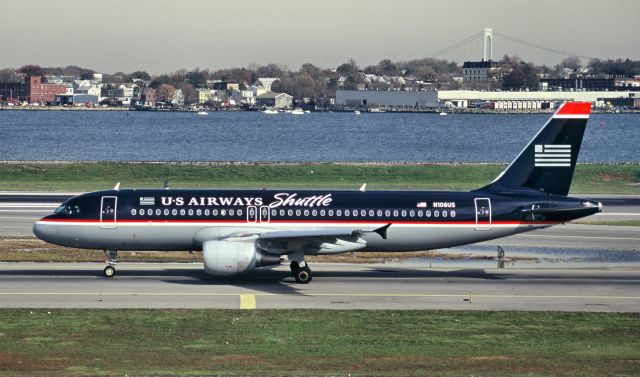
[301, 272]
[112, 260]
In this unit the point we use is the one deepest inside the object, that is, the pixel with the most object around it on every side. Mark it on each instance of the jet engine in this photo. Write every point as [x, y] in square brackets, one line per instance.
[224, 258]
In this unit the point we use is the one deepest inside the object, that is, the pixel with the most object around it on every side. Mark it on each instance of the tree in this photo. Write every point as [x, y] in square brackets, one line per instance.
[166, 92]
[9, 75]
[523, 75]
[189, 93]
[140, 75]
[31, 70]
[571, 62]
[348, 68]
[197, 78]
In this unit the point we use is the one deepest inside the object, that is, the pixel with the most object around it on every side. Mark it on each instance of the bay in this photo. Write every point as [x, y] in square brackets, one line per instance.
[315, 137]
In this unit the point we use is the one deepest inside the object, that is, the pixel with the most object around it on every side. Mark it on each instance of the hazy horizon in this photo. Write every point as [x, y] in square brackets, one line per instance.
[160, 36]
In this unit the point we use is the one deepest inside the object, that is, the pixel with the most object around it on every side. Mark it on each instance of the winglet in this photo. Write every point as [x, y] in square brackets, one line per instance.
[117, 186]
[363, 188]
[382, 231]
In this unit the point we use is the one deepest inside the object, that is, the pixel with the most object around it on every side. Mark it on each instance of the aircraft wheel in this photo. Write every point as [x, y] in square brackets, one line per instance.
[303, 275]
[109, 271]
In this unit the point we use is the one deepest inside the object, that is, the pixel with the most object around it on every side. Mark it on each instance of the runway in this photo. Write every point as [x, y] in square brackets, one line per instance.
[458, 285]
[335, 286]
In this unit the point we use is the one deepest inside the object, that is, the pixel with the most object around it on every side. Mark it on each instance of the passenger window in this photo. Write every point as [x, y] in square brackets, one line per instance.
[453, 213]
[322, 212]
[379, 213]
[215, 212]
[199, 212]
[370, 213]
[436, 213]
[239, 212]
[274, 213]
[290, 212]
[190, 212]
[387, 213]
[314, 213]
[133, 212]
[158, 212]
[428, 213]
[330, 213]
[182, 212]
[339, 213]
[404, 213]
[149, 212]
[444, 213]
[347, 212]
[395, 213]
[420, 213]
[174, 212]
[412, 213]
[223, 212]
[231, 212]
[282, 212]
[306, 212]
[298, 212]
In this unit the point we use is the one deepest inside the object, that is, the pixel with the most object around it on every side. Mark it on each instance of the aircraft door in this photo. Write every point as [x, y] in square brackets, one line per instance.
[252, 214]
[258, 214]
[265, 214]
[483, 213]
[108, 211]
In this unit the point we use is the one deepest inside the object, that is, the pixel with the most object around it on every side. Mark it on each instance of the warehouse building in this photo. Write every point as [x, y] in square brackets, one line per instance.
[372, 98]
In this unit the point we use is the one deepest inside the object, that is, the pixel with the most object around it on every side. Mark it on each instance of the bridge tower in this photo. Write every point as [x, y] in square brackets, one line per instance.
[487, 50]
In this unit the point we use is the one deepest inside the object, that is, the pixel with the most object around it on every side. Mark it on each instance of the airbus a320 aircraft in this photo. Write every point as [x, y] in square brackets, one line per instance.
[241, 230]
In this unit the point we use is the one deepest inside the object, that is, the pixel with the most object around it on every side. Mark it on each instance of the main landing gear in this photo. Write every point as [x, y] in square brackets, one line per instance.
[112, 260]
[301, 272]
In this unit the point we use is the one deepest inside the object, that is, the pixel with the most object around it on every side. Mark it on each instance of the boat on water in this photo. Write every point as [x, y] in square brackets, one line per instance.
[357, 112]
[203, 113]
[443, 113]
[297, 112]
[270, 111]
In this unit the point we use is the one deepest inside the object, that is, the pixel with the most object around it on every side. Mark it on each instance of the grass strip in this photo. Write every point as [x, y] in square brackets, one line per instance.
[317, 342]
[89, 176]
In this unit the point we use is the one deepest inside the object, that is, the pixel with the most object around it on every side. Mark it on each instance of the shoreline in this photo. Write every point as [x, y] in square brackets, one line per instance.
[393, 111]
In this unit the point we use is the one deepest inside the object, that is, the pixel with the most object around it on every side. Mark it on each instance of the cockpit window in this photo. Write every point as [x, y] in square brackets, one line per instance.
[67, 210]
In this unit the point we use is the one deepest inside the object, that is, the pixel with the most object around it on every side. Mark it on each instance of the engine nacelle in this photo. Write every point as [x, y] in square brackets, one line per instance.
[224, 258]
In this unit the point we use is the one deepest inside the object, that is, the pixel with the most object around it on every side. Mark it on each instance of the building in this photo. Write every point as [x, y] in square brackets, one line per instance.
[225, 85]
[482, 71]
[203, 95]
[578, 84]
[528, 100]
[266, 82]
[275, 100]
[43, 93]
[75, 100]
[14, 91]
[373, 98]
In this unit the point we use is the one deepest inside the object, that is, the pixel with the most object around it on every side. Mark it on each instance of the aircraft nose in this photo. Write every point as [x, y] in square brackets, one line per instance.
[42, 230]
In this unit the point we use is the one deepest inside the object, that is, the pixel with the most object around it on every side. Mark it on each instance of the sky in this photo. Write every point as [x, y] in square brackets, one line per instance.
[160, 36]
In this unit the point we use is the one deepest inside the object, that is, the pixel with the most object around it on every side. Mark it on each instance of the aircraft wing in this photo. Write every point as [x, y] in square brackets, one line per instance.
[322, 241]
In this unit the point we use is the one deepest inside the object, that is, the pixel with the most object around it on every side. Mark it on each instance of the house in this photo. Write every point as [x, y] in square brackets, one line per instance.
[203, 95]
[246, 96]
[266, 82]
[275, 100]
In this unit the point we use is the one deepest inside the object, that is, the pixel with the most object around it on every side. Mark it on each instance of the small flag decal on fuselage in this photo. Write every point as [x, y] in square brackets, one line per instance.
[552, 155]
[147, 201]
[422, 205]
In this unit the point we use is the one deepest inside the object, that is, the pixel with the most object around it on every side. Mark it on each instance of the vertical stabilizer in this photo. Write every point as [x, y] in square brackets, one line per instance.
[547, 163]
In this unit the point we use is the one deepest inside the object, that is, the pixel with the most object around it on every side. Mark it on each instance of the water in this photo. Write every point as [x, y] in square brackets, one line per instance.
[316, 137]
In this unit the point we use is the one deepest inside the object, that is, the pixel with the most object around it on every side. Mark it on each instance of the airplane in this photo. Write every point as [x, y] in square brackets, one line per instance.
[239, 231]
